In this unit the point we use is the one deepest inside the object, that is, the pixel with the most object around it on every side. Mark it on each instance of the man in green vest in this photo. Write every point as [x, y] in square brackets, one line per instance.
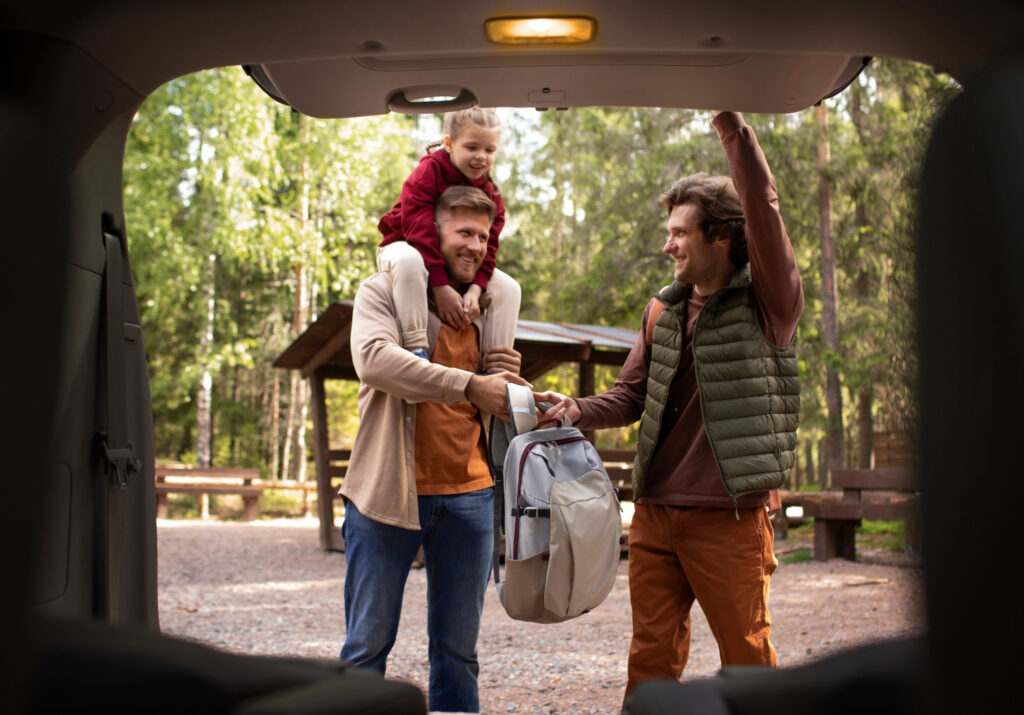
[712, 378]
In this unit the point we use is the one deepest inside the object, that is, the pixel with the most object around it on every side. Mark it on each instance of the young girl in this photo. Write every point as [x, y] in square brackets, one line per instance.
[410, 249]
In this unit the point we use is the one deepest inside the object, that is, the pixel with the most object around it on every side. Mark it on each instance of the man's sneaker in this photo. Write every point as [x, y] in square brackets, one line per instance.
[420, 352]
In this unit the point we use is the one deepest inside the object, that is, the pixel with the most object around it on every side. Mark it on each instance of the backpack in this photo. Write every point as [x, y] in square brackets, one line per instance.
[559, 513]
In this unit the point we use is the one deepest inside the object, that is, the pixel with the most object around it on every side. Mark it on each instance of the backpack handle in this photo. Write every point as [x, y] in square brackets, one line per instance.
[522, 412]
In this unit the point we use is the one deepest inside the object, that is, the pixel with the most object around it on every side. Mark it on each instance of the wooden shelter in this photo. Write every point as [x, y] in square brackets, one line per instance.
[323, 353]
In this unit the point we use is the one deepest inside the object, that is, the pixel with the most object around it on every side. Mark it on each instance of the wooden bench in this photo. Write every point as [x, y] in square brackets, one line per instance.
[204, 482]
[888, 493]
[801, 498]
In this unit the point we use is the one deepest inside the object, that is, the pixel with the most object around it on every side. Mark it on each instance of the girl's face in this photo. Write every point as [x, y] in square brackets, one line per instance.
[474, 149]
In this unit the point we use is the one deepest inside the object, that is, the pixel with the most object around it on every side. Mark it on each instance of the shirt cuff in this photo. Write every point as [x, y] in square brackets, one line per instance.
[726, 123]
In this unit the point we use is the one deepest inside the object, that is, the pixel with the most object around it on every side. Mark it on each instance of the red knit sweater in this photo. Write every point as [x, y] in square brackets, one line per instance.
[412, 217]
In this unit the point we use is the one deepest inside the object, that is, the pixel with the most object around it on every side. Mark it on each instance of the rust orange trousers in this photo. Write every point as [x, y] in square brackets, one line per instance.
[678, 554]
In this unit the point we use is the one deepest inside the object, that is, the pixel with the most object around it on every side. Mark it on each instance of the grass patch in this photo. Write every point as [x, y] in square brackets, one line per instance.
[275, 504]
[226, 507]
[182, 506]
[799, 556]
[889, 535]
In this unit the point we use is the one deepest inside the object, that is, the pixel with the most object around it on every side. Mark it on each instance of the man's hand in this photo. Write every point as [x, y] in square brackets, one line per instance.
[449, 306]
[561, 406]
[487, 392]
[502, 359]
[471, 302]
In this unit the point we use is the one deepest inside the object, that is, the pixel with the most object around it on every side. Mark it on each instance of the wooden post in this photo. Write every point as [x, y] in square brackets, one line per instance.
[251, 510]
[161, 501]
[834, 539]
[586, 388]
[325, 495]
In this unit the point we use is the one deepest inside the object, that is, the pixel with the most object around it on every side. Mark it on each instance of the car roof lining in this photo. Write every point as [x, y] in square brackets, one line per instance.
[148, 44]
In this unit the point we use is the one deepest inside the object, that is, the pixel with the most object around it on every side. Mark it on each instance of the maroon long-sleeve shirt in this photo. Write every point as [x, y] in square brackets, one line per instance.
[683, 470]
[411, 219]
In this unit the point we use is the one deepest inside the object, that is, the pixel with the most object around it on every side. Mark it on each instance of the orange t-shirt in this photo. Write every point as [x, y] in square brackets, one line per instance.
[450, 453]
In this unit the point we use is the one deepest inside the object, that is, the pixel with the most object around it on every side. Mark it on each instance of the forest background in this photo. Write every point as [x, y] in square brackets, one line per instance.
[246, 220]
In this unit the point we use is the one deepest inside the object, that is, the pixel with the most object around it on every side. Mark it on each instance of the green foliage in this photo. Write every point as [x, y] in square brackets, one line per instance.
[182, 506]
[287, 207]
[275, 504]
[798, 556]
[232, 195]
[893, 533]
[589, 238]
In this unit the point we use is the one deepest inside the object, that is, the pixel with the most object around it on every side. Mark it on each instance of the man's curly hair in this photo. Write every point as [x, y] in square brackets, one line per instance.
[719, 211]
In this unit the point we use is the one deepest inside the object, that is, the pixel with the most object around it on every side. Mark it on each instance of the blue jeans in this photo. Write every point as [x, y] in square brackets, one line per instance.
[457, 535]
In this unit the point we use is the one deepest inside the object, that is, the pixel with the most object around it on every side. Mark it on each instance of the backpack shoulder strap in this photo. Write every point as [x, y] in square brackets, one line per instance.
[656, 309]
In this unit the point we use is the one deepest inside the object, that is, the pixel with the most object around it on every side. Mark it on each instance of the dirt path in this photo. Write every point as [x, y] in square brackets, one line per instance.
[265, 587]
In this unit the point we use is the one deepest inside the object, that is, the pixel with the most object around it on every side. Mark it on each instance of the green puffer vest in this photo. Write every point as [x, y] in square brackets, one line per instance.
[749, 388]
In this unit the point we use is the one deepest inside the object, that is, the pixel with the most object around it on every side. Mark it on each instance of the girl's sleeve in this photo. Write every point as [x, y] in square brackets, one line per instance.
[419, 193]
[490, 260]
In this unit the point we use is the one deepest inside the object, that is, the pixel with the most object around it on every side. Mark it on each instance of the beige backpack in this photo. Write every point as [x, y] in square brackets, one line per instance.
[560, 516]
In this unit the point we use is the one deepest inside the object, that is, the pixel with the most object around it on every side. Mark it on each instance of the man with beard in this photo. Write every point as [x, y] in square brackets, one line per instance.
[418, 475]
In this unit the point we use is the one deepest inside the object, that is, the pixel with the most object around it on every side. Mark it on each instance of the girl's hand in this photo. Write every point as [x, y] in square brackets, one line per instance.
[471, 302]
[449, 306]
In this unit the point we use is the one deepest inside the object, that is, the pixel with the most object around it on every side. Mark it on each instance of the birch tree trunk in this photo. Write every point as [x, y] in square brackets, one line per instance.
[294, 460]
[204, 400]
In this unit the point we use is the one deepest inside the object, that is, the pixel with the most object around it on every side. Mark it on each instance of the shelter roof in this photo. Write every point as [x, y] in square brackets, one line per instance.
[325, 345]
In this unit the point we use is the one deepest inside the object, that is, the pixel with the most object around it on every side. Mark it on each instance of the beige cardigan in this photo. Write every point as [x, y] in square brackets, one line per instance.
[381, 476]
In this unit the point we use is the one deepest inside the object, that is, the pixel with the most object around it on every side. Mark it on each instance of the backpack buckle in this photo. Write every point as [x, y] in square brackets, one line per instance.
[532, 512]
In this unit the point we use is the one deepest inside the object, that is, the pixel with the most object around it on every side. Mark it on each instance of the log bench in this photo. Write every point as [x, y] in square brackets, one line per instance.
[888, 493]
[206, 481]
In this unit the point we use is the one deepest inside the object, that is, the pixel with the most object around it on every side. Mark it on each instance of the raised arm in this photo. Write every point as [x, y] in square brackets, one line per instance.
[776, 280]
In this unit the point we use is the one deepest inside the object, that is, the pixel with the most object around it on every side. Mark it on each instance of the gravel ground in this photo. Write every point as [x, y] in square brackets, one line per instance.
[265, 587]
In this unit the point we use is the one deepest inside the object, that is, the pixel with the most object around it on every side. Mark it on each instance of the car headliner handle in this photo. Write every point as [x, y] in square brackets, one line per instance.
[398, 102]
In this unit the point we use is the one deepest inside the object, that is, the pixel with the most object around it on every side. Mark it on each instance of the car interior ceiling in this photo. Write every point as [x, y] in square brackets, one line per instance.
[75, 77]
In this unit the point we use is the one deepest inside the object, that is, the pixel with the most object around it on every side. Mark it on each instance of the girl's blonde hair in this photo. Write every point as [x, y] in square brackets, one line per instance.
[456, 122]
